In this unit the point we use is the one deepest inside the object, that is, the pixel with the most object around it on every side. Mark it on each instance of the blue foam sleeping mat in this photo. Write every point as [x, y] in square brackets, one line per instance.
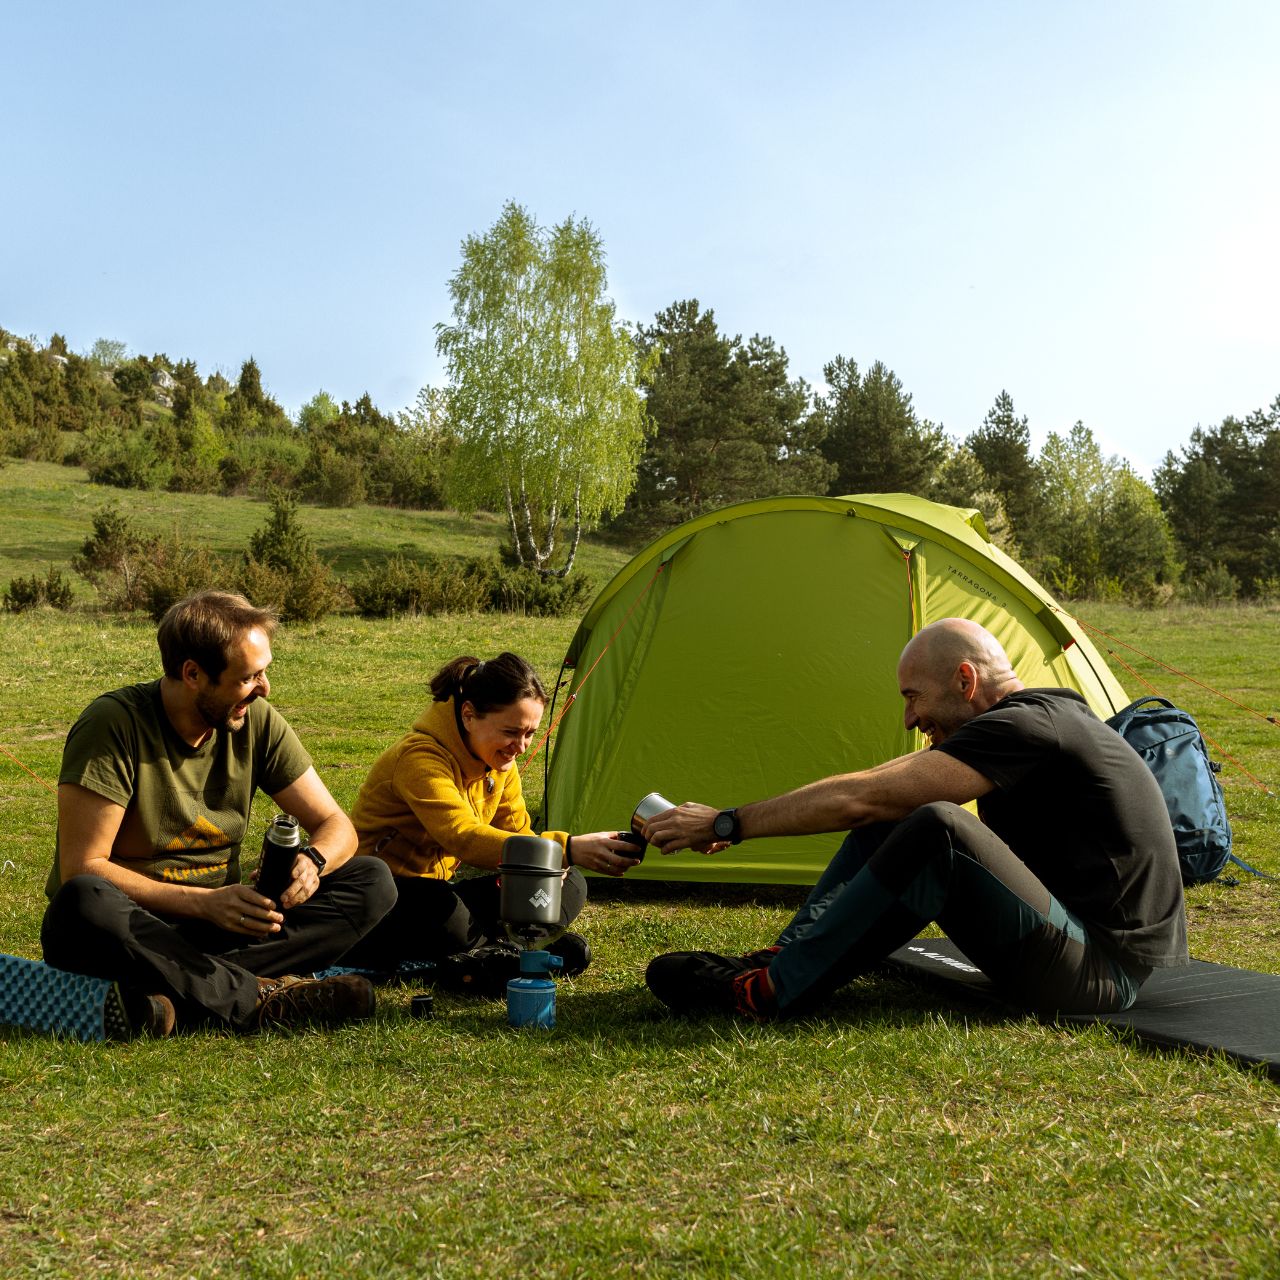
[36, 996]
[1202, 1006]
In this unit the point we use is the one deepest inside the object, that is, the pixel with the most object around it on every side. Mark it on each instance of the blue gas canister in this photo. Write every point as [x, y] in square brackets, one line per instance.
[531, 998]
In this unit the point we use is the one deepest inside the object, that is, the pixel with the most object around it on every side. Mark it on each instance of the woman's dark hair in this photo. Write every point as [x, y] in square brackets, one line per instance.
[487, 685]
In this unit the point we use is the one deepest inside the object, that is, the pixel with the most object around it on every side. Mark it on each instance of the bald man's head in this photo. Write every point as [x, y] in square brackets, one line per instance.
[951, 671]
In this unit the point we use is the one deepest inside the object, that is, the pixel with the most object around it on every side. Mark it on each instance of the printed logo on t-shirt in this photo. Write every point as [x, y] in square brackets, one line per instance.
[212, 872]
[201, 834]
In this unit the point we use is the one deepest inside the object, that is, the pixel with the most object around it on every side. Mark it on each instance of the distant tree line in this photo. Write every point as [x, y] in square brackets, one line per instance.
[149, 422]
[561, 418]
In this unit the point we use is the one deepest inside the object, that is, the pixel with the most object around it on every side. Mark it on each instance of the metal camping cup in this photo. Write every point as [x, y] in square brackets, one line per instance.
[530, 874]
[652, 805]
[280, 845]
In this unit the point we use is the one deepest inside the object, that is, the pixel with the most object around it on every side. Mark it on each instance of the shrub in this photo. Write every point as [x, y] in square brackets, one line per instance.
[176, 570]
[259, 463]
[333, 479]
[114, 559]
[282, 542]
[515, 590]
[200, 450]
[73, 448]
[126, 459]
[193, 476]
[394, 586]
[436, 585]
[30, 593]
[1147, 593]
[407, 474]
[265, 586]
[460, 588]
[283, 570]
[301, 595]
[1214, 586]
[1266, 590]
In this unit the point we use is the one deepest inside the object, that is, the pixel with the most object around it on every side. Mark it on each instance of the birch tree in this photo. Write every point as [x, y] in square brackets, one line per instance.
[543, 393]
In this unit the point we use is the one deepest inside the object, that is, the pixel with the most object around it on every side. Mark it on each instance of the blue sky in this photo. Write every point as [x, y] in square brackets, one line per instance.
[1077, 202]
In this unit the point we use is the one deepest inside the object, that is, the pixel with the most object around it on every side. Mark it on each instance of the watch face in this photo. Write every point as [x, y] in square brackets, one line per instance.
[723, 825]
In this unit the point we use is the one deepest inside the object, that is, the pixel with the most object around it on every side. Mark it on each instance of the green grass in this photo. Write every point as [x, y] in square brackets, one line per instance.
[896, 1135]
[49, 513]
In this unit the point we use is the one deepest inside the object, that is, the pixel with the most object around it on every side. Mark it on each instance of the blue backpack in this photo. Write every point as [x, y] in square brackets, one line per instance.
[1170, 742]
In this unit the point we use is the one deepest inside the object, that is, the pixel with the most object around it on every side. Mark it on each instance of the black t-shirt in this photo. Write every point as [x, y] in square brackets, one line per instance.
[1077, 804]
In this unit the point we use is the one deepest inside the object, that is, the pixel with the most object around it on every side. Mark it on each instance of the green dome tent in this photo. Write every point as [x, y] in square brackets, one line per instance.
[755, 649]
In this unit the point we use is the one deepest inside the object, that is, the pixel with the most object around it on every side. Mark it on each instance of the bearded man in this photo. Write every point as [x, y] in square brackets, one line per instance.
[154, 795]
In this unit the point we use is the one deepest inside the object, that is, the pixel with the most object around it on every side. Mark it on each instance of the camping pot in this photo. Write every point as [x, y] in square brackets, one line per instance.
[280, 846]
[652, 805]
[530, 876]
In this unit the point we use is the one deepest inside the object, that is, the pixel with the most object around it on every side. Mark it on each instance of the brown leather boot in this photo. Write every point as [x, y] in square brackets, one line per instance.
[130, 1013]
[297, 1002]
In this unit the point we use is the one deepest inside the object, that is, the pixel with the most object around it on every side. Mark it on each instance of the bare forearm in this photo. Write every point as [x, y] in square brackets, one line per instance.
[151, 895]
[335, 838]
[833, 804]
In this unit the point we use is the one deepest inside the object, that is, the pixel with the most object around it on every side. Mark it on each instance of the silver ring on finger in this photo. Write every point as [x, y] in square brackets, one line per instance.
[242, 917]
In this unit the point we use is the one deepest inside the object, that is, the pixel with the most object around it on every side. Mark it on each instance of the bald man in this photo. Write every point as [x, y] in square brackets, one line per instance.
[1065, 890]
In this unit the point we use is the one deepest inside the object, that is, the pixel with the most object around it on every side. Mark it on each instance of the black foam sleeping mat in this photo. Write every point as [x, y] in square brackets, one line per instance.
[1200, 1005]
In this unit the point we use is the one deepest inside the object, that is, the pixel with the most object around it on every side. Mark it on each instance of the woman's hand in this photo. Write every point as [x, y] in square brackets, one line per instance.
[604, 852]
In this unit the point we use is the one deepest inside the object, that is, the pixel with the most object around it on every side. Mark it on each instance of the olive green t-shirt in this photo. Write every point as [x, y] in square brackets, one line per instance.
[186, 808]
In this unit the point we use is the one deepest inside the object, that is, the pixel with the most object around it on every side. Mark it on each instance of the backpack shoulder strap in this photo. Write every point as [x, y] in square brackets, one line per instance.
[1240, 862]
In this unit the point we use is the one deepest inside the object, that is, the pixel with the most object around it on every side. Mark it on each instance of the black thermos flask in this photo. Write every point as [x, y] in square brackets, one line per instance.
[280, 845]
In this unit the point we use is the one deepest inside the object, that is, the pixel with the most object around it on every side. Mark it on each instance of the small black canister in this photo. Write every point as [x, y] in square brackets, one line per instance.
[280, 845]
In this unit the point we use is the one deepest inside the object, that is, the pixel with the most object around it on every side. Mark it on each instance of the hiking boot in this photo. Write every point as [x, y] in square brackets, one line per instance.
[703, 982]
[574, 950]
[297, 1002]
[760, 958]
[129, 1013]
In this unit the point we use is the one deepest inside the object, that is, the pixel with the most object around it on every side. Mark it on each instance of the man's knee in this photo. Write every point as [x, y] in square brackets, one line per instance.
[923, 842]
[940, 815]
[82, 905]
[373, 884]
[83, 899]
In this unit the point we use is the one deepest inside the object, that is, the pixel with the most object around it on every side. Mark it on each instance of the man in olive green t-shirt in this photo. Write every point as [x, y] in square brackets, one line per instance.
[154, 794]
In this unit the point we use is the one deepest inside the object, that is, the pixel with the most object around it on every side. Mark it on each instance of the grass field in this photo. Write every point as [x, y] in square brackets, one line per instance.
[48, 514]
[893, 1136]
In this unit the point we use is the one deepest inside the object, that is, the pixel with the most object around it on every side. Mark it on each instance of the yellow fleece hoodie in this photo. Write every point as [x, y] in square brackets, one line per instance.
[428, 804]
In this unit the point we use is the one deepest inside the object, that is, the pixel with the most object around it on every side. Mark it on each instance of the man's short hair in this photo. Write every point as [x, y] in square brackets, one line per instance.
[203, 627]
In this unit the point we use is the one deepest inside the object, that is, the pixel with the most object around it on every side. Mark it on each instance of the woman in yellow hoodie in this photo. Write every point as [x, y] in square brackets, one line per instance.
[448, 793]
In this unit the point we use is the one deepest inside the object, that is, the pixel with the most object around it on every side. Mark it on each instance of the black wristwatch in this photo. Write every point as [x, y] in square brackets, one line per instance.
[727, 827]
[316, 856]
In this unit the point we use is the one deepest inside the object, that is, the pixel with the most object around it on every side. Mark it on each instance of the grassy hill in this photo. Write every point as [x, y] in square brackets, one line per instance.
[48, 513]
